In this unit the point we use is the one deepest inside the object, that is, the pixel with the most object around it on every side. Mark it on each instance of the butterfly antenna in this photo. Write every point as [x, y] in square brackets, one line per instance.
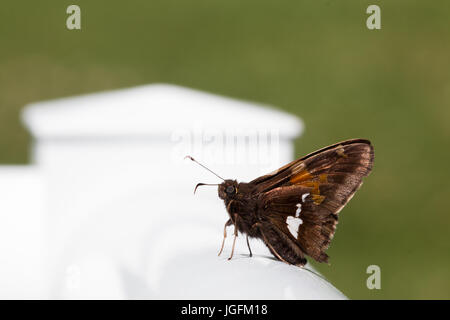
[189, 157]
[204, 184]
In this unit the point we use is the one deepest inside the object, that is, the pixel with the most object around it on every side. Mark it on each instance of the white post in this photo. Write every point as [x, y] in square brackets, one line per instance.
[122, 217]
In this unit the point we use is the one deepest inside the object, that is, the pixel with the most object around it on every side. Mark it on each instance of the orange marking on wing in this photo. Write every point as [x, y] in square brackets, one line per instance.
[312, 184]
[302, 176]
[318, 199]
[323, 178]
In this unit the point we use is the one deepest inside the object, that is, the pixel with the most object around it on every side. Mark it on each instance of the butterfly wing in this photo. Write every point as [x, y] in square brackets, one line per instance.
[301, 201]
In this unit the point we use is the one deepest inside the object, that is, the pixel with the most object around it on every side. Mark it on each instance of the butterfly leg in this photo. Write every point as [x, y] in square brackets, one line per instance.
[272, 248]
[235, 235]
[227, 224]
[249, 249]
[258, 225]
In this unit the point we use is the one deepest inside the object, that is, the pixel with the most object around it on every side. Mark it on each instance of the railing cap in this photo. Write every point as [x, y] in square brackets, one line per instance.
[151, 110]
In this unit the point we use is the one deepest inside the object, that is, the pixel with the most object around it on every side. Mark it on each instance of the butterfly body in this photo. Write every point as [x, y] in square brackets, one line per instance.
[248, 212]
[294, 210]
[242, 201]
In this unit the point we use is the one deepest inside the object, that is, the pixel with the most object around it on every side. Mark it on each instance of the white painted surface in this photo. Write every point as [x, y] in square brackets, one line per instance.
[109, 200]
[23, 223]
[153, 111]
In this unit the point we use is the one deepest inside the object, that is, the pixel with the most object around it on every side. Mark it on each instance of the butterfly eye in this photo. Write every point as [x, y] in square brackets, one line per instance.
[230, 189]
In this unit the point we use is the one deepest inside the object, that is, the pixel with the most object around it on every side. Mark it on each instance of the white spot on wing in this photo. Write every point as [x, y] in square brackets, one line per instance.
[293, 225]
[304, 196]
[299, 209]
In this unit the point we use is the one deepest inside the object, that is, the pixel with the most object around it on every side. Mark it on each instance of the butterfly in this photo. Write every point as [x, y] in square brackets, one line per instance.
[294, 210]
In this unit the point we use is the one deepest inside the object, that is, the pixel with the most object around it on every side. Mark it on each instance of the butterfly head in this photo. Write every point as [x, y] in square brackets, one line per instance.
[228, 189]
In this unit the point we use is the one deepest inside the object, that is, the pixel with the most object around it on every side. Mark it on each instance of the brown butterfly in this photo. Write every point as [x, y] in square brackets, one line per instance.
[294, 210]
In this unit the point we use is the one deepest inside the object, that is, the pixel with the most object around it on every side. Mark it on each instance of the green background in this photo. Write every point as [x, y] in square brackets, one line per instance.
[315, 59]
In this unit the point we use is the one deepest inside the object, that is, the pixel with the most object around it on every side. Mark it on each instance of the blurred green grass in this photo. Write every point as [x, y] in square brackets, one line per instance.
[315, 59]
